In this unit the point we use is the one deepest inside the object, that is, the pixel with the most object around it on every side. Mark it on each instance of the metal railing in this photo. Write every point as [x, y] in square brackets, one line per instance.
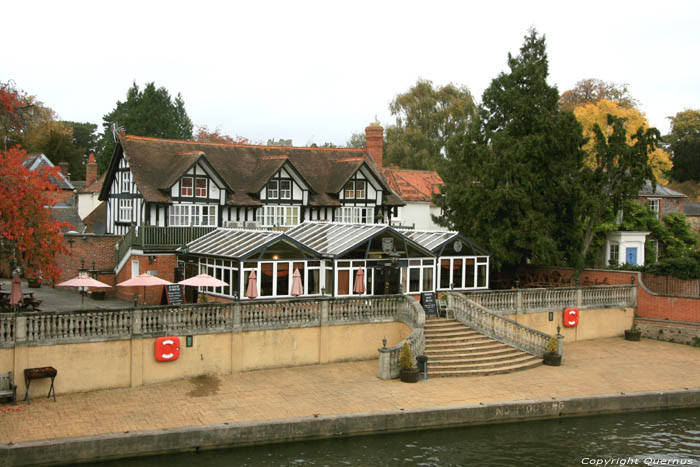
[153, 238]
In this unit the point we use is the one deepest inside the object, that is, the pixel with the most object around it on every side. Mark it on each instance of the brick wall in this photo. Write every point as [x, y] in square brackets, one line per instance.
[684, 333]
[60, 196]
[164, 265]
[83, 250]
[649, 304]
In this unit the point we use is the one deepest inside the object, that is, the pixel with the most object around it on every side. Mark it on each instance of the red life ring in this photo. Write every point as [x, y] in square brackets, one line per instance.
[167, 349]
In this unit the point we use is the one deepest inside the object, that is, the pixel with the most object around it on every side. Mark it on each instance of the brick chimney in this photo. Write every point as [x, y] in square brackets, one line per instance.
[64, 170]
[90, 171]
[374, 134]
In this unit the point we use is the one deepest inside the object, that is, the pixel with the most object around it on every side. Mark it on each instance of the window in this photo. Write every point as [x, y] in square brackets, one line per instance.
[285, 189]
[350, 190]
[347, 277]
[280, 216]
[201, 187]
[466, 272]
[355, 215]
[360, 190]
[418, 277]
[126, 182]
[125, 210]
[614, 254]
[184, 215]
[186, 186]
[654, 205]
[272, 189]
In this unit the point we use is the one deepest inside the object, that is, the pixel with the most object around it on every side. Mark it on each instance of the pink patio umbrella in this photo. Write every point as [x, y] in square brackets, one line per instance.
[203, 280]
[297, 287]
[83, 281]
[16, 292]
[144, 280]
[359, 287]
[252, 290]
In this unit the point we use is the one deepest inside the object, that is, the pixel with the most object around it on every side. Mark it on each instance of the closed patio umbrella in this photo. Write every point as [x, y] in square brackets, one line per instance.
[252, 290]
[297, 287]
[359, 287]
[83, 281]
[144, 280]
[16, 292]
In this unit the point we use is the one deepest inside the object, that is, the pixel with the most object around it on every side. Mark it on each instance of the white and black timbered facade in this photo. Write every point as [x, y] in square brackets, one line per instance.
[169, 183]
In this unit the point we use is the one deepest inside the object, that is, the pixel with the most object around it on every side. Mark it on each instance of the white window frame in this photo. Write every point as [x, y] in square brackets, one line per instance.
[281, 216]
[616, 257]
[355, 214]
[197, 189]
[125, 209]
[353, 267]
[186, 215]
[478, 261]
[186, 191]
[654, 204]
[349, 190]
[363, 191]
[285, 193]
[272, 193]
[422, 265]
[126, 182]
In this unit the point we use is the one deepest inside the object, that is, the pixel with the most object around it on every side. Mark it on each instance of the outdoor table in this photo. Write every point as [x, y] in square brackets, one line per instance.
[38, 373]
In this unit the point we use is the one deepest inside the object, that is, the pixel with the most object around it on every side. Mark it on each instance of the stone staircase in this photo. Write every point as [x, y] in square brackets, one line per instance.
[454, 349]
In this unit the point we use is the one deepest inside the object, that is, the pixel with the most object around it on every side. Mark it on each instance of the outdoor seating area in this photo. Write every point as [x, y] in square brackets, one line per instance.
[15, 299]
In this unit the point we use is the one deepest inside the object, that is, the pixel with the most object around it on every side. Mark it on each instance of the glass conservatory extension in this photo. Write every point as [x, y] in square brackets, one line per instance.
[336, 259]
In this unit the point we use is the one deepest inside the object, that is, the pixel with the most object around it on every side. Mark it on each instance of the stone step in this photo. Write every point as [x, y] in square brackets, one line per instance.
[441, 355]
[466, 341]
[436, 323]
[483, 372]
[482, 362]
[459, 346]
[452, 333]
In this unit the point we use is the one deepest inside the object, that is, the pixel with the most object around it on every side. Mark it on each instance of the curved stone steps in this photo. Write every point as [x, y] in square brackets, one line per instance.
[457, 350]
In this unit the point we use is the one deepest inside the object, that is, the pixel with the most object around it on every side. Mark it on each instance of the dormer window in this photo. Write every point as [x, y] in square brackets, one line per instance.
[285, 189]
[200, 189]
[186, 186]
[356, 190]
[273, 189]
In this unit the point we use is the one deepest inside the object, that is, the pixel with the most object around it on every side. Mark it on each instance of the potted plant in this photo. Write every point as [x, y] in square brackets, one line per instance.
[409, 373]
[634, 333]
[552, 356]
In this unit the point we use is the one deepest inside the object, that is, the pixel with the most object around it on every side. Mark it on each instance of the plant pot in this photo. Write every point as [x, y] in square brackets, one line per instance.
[551, 359]
[410, 375]
[34, 282]
[633, 334]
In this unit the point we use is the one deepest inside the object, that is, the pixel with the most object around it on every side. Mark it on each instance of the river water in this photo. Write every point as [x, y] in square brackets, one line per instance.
[651, 438]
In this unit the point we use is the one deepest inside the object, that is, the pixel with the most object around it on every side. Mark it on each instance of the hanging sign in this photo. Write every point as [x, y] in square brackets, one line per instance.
[388, 244]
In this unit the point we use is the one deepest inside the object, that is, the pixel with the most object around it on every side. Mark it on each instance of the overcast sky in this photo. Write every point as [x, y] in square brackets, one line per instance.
[319, 71]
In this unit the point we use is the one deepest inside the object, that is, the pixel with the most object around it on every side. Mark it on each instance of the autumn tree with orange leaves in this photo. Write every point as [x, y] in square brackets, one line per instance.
[28, 232]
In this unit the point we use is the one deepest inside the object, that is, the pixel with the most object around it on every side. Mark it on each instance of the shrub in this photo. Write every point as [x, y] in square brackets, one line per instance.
[553, 345]
[406, 360]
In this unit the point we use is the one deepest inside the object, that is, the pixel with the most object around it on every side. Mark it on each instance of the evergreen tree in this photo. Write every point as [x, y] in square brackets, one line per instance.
[151, 112]
[511, 183]
[685, 145]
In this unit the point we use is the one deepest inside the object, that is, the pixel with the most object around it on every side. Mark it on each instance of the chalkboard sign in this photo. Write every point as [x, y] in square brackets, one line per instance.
[427, 299]
[173, 293]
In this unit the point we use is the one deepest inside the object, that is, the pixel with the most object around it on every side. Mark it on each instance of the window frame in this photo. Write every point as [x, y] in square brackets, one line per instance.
[654, 204]
[182, 215]
[201, 192]
[275, 215]
[125, 209]
[349, 190]
[288, 190]
[186, 191]
[355, 214]
[271, 190]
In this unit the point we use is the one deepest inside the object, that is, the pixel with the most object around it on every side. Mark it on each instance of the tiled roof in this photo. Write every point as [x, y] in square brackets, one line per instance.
[413, 185]
[38, 161]
[96, 186]
[156, 163]
[661, 191]
[69, 214]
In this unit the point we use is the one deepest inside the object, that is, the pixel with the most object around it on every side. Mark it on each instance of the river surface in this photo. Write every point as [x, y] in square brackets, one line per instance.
[669, 437]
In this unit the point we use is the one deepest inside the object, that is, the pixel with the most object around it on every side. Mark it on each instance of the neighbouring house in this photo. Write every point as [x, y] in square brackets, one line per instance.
[66, 189]
[89, 194]
[662, 199]
[416, 188]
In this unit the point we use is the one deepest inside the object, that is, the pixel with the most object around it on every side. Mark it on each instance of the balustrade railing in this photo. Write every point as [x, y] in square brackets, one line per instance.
[49, 327]
[7, 330]
[190, 318]
[280, 314]
[362, 309]
[497, 326]
[413, 315]
[524, 300]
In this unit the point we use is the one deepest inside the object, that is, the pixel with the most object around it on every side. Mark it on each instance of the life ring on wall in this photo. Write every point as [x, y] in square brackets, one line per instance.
[167, 349]
[571, 317]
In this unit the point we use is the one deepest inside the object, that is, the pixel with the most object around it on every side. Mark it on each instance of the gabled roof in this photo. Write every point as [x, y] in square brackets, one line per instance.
[38, 161]
[435, 241]
[244, 168]
[661, 191]
[413, 185]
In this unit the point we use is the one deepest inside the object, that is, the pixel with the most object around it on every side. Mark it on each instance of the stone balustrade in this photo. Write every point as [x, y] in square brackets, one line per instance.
[497, 326]
[37, 328]
[413, 315]
[527, 300]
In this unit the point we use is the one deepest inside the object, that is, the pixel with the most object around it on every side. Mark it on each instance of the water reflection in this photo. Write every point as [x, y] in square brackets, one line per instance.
[647, 437]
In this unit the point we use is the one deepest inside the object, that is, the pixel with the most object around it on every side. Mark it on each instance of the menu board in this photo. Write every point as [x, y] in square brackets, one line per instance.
[173, 293]
[427, 299]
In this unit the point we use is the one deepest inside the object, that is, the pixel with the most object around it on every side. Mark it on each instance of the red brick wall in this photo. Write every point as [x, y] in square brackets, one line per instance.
[649, 304]
[60, 196]
[82, 251]
[164, 265]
